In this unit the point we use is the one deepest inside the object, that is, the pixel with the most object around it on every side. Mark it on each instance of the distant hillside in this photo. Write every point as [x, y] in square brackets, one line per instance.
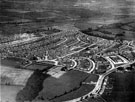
[125, 31]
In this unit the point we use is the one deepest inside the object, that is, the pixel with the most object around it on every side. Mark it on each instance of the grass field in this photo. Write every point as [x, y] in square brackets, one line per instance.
[53, 87]
[8, 93]
[14, 76]
[12, 62]
[83, 90]
[39, 66]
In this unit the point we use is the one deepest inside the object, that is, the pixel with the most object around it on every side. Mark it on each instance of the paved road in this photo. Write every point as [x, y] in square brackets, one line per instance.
[80, 49]
[96, 90]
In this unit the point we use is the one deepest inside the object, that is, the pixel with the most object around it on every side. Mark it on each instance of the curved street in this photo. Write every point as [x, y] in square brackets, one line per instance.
[95, 92]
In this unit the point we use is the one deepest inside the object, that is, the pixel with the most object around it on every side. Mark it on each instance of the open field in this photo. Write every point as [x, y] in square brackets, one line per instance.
[84, 89]
[13, 76]
[8, 93]
[39, 66]
[121, 92]
[13, 62]
[67, 82]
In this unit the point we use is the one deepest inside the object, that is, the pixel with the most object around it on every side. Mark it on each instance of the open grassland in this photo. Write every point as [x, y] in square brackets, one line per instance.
[8, 93]
[13, 76]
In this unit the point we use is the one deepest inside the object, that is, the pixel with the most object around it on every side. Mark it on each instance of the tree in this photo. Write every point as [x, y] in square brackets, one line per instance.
[119, 37]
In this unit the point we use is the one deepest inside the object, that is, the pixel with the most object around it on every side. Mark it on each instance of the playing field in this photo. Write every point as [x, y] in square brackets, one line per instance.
[14, 76]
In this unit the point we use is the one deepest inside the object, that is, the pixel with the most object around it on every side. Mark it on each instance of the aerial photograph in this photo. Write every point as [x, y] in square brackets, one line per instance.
[67, 50]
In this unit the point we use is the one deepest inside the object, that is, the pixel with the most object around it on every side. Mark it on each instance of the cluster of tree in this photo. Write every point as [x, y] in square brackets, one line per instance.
[98, 34]
[32, 88]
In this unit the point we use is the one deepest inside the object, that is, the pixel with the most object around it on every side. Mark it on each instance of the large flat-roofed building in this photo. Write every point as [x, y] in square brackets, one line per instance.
[117, 59]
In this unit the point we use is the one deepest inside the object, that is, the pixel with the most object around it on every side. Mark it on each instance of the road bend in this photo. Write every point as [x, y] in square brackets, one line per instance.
[101, 78]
